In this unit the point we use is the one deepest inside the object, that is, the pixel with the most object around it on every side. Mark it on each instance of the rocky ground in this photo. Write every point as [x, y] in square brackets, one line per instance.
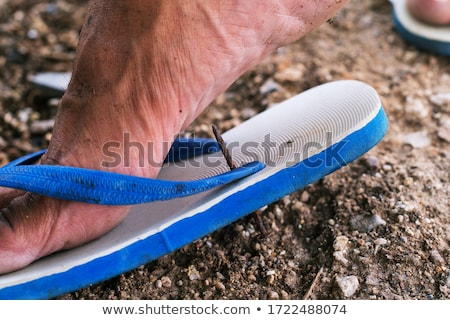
[376, 229]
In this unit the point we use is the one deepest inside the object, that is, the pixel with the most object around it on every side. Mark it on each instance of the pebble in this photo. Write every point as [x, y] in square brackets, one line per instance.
[273, 295]
[417, 107]
[270, 273]
[363, 223]
[340, 257]
[444, 129]
[32, 34]
[269, 86]
[408, 181]
[220, 286]
[441, 99]
[193, 274]
[304, 196]
[348, 285]
[166, 282]
[417, 140]
[3, 159]
[373, 162]
[289, 75]
[340, 246]
[436, 257]
[3, 143]
[41, 126]
[340, 243]
[380, 241]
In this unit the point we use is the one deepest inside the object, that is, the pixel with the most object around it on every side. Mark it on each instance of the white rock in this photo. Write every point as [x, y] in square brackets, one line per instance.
[417, 139]
[441, 99]
[348, 285]
[366, 223]
[269, 86]
[289, 74]
[444, 128]
[417, 107]
[380, 241]
[340, 256]
[340, 243]
[42, 126]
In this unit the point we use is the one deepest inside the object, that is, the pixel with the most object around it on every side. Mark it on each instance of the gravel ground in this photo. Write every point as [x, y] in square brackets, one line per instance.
[376, 229]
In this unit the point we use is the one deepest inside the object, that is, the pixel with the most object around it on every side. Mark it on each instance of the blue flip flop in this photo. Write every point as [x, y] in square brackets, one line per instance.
[278, 151]
[434, 39]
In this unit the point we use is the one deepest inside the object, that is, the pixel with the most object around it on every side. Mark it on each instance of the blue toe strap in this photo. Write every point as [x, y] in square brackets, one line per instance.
[100, 187]
[185, 148]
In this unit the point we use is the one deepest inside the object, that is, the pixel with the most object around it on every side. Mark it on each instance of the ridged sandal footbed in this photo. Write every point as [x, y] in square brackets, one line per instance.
[299, 141]
[434, 39]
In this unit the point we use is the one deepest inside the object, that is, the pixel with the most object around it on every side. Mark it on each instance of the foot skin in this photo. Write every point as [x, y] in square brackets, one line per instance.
[145, 69]
[436, 12]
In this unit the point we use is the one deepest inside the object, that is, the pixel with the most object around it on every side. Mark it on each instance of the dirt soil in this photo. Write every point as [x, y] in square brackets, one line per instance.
[378, 228]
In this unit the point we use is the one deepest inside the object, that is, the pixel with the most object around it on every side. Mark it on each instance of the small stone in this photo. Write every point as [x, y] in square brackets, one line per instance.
[417, 107]
[220, 286]
[41, 126]
[436, 257]
[32, 34]
[193, 274]
[340, 243]
[269, 86]
[348, 285]
[373, 162]
[380, 241]
[340, 257]
[158, 284]
[289, 75]
[284, 295]
[417, 139]
[3, 143]
[363, 223]
[304, 197]
[273, 295]
[408, 181]
[166, 282]
[3, 159]
[444, 129]
[441, 99]
[220, 276]
[270, 273]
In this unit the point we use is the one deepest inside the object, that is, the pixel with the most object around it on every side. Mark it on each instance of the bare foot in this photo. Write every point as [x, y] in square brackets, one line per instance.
[145, 69]
[435, 12]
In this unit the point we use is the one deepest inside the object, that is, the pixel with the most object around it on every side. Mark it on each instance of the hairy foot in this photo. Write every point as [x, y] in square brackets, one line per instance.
[431, 11]
[144, 71]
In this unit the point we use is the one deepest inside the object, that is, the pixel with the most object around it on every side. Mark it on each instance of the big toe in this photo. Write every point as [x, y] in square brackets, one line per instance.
[34, 226]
